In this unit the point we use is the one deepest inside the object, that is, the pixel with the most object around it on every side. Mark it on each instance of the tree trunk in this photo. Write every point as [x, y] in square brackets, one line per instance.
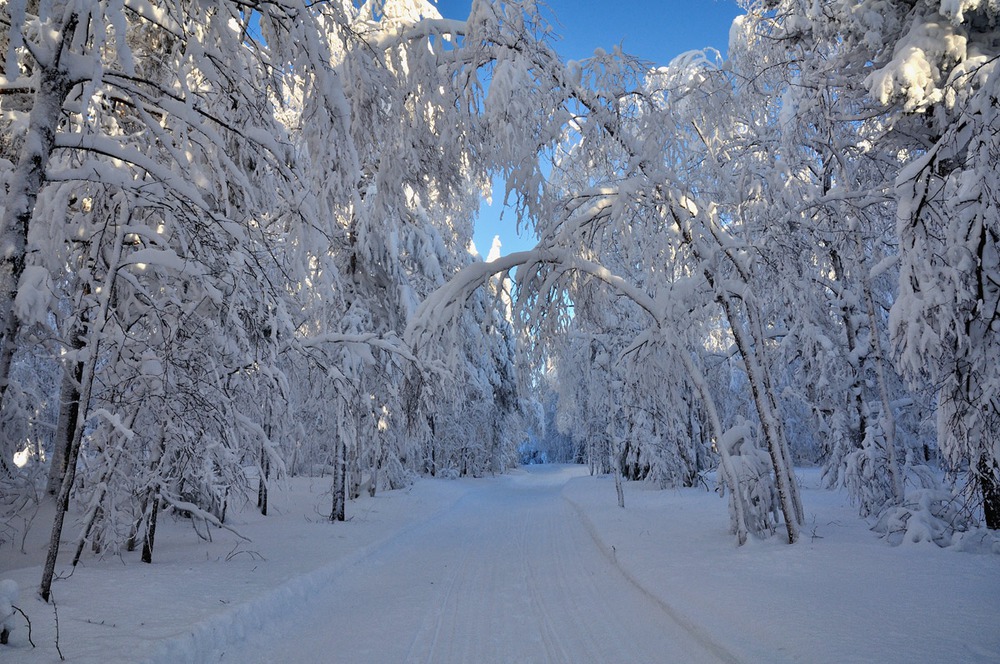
[149, 539]
[770, 400]
[338, 512]
[152, 495]
[353, 464]
[376, 463]
[433, 446]
[726, 464]
[94, 512]
[855, 399]
[22, 190]
[62, 501]
[888, 418]
[87, 529]
[265, 472]
[787, 494]
[133, 536]
[86, 387]
[619, 489]
[69, 411]
[339, 480]
[989, 484]
[293, 469]
[615, 459]
[353, 473]
[750, 344]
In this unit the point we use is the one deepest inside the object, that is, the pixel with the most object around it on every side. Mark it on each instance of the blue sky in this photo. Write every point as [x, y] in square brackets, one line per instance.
[655, 30]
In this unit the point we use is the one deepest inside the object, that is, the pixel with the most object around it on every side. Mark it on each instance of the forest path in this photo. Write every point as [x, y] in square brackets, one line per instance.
[509, 574]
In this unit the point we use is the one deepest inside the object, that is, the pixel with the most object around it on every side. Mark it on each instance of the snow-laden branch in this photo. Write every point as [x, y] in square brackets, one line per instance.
[194, 510]
[423, 29]
[116, 150]
[442, 304]
[388, 344]
[156, 15]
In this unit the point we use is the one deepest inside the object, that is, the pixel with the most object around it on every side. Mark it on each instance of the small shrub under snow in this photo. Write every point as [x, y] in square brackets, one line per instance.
[934, 515]
[8, 595]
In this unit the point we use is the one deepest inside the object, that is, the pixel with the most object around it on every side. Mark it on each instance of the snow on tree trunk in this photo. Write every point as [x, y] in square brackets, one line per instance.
[53, 86]
[791, 507]
[93, 512]
[727, 469]
[751, 343]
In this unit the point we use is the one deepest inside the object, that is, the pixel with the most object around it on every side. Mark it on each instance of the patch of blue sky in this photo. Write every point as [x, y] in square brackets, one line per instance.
[656, 31]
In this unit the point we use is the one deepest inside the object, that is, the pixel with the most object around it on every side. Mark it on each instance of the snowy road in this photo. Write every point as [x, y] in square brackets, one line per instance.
[509, 574]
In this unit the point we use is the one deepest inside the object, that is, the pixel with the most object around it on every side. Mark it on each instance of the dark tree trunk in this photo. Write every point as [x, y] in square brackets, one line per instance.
[433, 444]
[990, 486]
[376, 465]
[133, 536]
[265, 473]
[354, 476]
[69, 411]
[148, 541]
[66, 487]
[338, 513]
[83, 540]
[62, 506]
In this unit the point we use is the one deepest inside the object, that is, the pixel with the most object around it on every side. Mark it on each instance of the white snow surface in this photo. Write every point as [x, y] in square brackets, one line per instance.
[536, 566]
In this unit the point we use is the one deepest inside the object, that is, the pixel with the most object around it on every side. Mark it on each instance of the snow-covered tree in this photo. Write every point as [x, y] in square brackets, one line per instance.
[945, 321]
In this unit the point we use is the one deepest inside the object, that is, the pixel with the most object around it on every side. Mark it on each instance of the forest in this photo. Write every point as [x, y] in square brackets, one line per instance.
[235, 248]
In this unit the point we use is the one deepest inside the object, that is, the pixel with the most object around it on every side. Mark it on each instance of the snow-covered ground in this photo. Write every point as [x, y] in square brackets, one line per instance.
[537, 566]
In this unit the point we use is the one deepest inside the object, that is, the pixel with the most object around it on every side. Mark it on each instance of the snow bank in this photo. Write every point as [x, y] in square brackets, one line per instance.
[199, 596]
[841, 595]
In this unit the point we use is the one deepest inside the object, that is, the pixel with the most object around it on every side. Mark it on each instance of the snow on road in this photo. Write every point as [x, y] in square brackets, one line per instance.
[509, 574]
[536, 566]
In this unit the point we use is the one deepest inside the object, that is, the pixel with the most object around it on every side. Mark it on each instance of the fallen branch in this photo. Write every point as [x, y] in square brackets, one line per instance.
[27, 620]
[195, 511]
[56, 612]
[253, 554]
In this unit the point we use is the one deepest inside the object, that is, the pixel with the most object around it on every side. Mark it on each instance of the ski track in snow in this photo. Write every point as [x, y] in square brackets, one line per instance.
[511, 573]
[700, 635]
